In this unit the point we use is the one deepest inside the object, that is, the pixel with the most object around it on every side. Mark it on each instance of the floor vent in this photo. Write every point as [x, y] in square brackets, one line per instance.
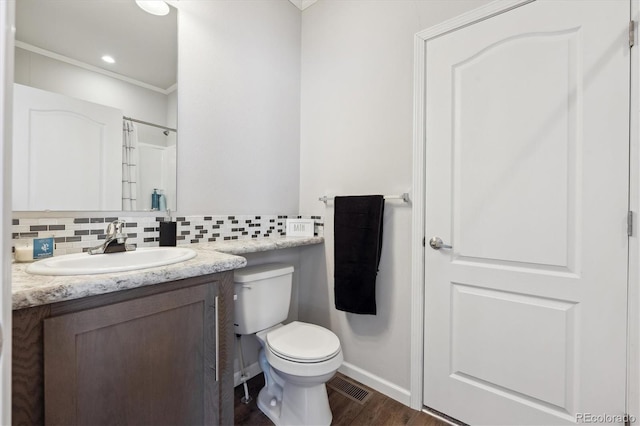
[349, 389]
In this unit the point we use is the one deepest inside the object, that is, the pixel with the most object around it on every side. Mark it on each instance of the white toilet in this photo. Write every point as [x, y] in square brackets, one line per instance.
[297, 358]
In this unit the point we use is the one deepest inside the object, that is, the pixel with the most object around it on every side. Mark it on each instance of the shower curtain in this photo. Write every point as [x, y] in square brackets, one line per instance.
[129, 165]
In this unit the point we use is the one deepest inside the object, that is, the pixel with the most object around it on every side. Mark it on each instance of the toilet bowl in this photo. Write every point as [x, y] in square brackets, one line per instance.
[297, 358]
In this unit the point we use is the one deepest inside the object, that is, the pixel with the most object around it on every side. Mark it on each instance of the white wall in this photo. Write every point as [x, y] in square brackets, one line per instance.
[6, 85]
[239, 107]
[172, 117]
[356, 138]
[45, 73]
[239, 116]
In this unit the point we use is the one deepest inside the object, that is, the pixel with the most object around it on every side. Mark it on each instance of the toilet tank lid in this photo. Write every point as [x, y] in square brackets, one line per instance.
[261, 272]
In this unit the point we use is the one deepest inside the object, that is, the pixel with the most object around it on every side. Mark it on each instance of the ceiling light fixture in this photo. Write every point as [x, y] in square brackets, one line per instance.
[108, 59]
[154, 7]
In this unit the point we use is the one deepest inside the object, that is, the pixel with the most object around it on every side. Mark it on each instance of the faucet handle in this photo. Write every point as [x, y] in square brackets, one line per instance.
[111, 228]
[115, 227]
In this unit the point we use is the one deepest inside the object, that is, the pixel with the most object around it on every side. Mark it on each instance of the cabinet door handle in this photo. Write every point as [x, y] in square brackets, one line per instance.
[217, 328]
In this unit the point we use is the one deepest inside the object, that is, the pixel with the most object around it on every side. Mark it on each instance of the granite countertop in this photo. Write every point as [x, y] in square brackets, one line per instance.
[34, 290]
[259, 244]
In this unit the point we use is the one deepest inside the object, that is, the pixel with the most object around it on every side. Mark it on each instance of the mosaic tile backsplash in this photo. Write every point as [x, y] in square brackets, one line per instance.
[75, 235]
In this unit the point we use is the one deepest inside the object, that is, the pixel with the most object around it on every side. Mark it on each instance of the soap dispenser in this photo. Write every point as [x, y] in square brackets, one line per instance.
[168, 231]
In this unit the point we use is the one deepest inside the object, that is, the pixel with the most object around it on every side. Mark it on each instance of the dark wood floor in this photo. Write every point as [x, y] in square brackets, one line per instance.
[377, 410]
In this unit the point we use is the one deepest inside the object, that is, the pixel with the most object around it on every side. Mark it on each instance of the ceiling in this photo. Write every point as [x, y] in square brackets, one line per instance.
[144, 46]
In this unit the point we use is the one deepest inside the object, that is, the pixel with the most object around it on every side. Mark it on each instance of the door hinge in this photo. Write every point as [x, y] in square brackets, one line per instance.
[424, 241]
[632, 33]
[630, 223]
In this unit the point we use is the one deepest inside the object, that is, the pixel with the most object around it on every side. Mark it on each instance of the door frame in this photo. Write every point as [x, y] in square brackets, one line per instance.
[633, 286]
[418, 198]
[7, 13]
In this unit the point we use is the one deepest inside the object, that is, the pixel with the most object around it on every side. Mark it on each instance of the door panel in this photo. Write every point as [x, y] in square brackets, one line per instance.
[487, 351]
[490, 193]
[527, 178]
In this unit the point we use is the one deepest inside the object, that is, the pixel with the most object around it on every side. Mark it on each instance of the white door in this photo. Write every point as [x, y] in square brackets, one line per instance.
[527, 146]
[67, 153]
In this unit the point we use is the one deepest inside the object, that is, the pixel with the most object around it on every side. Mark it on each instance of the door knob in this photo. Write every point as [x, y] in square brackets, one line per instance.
[436, 243]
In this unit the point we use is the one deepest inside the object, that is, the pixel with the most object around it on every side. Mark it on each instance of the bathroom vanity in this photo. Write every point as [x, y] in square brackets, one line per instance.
[159, 354]
[153, 346]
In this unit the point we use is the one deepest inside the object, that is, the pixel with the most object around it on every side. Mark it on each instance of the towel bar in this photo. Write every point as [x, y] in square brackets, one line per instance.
[404, 197]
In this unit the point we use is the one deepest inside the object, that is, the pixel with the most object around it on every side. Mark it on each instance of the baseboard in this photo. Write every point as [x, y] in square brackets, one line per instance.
[251, 370]
[377, 383]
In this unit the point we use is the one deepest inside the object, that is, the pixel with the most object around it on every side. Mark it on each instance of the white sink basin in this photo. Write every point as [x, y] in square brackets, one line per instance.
[86, 264]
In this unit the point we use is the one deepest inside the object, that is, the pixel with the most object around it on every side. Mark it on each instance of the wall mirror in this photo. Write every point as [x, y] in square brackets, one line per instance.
[95, 106]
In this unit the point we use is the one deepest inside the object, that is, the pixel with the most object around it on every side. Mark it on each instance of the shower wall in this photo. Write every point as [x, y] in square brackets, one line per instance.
[156, 170]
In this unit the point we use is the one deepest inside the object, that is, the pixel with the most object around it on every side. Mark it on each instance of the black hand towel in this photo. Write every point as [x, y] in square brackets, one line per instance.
[357, 249]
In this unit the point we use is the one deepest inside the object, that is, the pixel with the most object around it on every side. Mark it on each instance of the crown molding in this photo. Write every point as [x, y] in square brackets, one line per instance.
[303, 4]
[93, 68]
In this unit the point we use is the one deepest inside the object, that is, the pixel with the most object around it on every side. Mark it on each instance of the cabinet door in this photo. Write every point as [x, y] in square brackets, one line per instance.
[150, 360]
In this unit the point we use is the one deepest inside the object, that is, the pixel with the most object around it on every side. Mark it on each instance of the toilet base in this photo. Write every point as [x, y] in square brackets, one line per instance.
[269, 405]
[300, 405]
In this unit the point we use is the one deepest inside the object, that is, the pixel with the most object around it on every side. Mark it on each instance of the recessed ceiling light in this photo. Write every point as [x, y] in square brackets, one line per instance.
[154, 7]
[108, 59]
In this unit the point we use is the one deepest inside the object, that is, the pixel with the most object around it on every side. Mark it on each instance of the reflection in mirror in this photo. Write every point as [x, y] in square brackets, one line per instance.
[91, 135]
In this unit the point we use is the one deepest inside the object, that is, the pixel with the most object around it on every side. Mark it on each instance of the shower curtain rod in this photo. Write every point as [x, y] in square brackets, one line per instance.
[150, 124]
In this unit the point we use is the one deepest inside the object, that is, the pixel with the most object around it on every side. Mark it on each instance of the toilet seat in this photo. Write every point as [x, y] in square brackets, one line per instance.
[303, 343]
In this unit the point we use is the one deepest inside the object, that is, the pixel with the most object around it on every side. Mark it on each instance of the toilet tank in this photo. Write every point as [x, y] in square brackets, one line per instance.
[263, 296]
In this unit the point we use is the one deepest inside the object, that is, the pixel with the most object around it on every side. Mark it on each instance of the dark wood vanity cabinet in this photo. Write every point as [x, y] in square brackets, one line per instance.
[157, 355]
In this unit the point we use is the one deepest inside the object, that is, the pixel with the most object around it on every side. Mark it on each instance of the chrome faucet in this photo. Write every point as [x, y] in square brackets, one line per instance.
[115, 241]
